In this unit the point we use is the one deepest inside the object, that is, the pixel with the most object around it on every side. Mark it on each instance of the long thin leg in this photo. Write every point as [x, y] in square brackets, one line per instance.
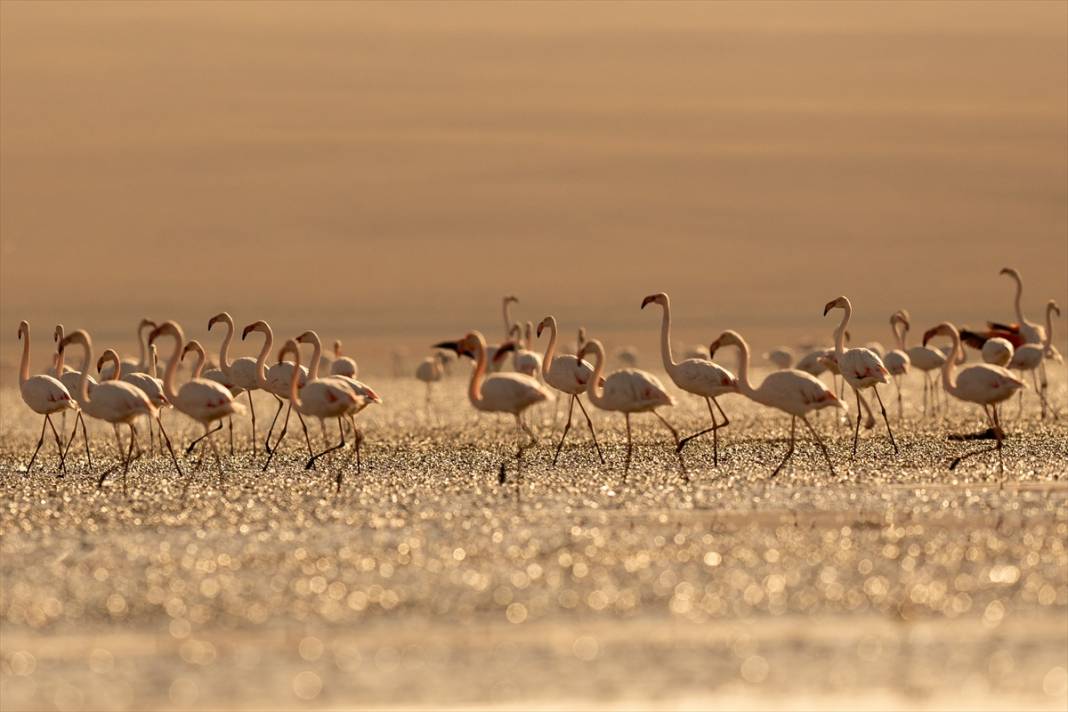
[215, 453]
[1000, 435]
[270, 450]
[589, 423]
[307, 439]
[567, 427]
[60, 450]
[1038, 392]
[311, 461]
[170, 448]
[789, 450]
[40, 442]
[715, 427]
[926, 383]
[206, 434]
[129, 455]
[630, 448]
[885, 419]
[997, 434]
[819, 441]
[900, 408]
[230, 421]
[252, 412]
[674, 433]
[118, 446]
[856, 431]
[270, 430]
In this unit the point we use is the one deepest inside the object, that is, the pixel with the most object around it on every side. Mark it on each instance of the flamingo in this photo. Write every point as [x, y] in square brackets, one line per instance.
[998, 351]
[702, 377]
[897, 361]
[626, 391]
[274, 380]
[830, 362]
[128, 365]
[319, 397]
[72, 380]
[147, 383]
[926, 359]
[813, 363]
[203, 400]
[114, 401]
[628, 356]
[431, 370]
[792, 391]
[240, 373]
[500, 393]
[527, 361]
[567, 374]
[860, 367]
[1029, 357]
[365, 395]
[44, 395]
[983, 384]
[342, 365]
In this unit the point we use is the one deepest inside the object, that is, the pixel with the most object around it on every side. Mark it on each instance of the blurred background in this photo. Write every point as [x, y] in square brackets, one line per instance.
[384, 173]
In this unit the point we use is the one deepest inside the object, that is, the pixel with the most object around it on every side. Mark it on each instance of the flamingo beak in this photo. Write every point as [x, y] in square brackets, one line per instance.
[453, 346]
[830, 305]
[153, 335]
[503, 349]
[648, 300]
[712, 348]
[929, 334]
[541, 327]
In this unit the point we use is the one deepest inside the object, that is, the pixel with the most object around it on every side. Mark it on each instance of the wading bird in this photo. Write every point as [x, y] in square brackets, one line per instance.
[925, 359]
[147, 383]
[700, 377]
[72, 381]
[983, 384]
[1029, 357]
[241, 372]
[128, 365]
[509, 393]
[115, 402]
[626, 391]
[44, 395]
[860, 367]
[567, 374]
[794, 392]
[273, 380]
[342, 365]
[897, 361]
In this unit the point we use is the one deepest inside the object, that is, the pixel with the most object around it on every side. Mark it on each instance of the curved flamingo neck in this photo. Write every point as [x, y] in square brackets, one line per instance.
[153, 358]
[172, 365]
[839, 333]
[87, 358]
[474, 389]
[261, 360]
[59, 352]
[1018, 301]
[507, 309]
[743, 368]
[949, 381]
[224, 350]
[665, 338]
[596, 396]
[142, 346]
[899, 333]
[1049, 327]
[113, 356]
[198, 367]
[24, 364]
[550, 350]
[294, 378]
[317, 354]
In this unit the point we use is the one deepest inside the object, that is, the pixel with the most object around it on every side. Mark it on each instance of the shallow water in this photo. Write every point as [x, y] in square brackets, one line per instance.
[895, 584]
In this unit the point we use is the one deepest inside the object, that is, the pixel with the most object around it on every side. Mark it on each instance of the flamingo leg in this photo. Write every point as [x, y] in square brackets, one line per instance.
[230, 424]
[59, 445]
[252, 412]
[285, 426]
[1039, 391]
[900, 408]
[856, 431]
[311, 461]
[118, 445]
[714, 430]
[882, 408]
[926, 384]
[997, 434]
[819, 441]
[215, 452]
[129, 455]
[589, 423]
[206, 434]
[40, 442]
[567, 427]
[630, 448]
[789, 450]
[270, 430]
[166, 438]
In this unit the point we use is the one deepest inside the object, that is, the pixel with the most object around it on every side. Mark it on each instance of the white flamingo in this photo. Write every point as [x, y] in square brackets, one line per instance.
[860, 367]
[147, 383]
[702, 377]
[567, 374]
[72, 381]
[240, 372]
[927, 360]
[509, 393]
[983, 384]
[342, 365]
[200, 399]
[794, 392]
[431, 370]
[626, 391]
[781, 357]
[115, 402]
[527, 361]
[129, 365]
[1029, 357]
[997, 351]
[897, 361]
[44, 395]
[365, 395]
[273, 380]
[814, 362]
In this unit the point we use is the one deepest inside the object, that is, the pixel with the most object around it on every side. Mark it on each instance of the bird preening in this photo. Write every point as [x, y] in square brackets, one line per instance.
[521, 373]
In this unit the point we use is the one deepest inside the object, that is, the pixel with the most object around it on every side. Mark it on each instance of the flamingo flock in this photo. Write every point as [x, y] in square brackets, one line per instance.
[129, 390]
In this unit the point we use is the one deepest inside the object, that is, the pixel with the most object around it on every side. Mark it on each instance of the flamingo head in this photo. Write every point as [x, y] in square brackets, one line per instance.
[79, 336]
[727, 338]
[502, 350]
[145, 322]
[901, 317]
[545, 323]
[836, 303]
[289, 348]
[255, 326]
[193, 345]
[221, 316]
[510, 299]
[57, 336]
[1051, 305]
[109, 354]
[308, 337]
[1011, 272]
[168, 327]
[337, 348]
[658, 298]
[943, 329]
[24, 328]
